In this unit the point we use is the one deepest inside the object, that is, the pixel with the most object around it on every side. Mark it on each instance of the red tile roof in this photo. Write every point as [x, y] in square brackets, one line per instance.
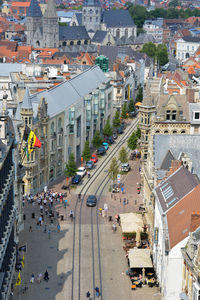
[179, 216]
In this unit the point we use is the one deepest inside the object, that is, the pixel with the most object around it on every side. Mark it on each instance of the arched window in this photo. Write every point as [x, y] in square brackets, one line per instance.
[166, 131]
[174, 131]
[157, 131]
[74, 24]
[59, 124]
[126, 32]
[91, 11]
[71, 43]
[26, 121]
[38, 43]
[52, 128]
[118, 33]
[187, 55]
[182, 131]
[64, 43]
[79, 42]
[86, 42]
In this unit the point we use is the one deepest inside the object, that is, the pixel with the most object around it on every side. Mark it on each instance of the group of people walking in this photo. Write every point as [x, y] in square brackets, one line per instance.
[39, 277]
[97, 291]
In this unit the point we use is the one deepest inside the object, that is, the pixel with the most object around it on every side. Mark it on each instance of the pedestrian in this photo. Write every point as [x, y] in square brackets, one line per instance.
[46, 276]
[88, 294]
[37, 225]
[124, 201]
[41, 208]
[30, 229]
[45, 228]
[39, 278]
[97, 291]
[120, 200]
[49, 234]
[32, 278]
[58, 228]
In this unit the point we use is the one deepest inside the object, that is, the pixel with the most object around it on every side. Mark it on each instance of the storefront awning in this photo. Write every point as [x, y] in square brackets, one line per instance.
[140, 258]
[130, 222]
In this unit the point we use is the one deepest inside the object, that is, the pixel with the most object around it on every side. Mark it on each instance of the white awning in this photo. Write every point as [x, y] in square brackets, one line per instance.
[130, 222]
[140, 258]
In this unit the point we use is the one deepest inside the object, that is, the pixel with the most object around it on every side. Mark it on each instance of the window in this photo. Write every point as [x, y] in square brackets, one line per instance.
[64, 43]
[79, 42]
[52, 128]
[90, 19]
[166, 131]
[182, 131]
[174, 115]
[168, 115]
[157, 131]
[196, 115]
[59, 124]
[174, 131]
[118, 90]
[71, 43]
[97, 19]
[96, 11]
[91, 11]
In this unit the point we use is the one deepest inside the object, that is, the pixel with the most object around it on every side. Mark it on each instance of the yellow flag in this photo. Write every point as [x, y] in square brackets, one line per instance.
[18, 279]
[23, 261]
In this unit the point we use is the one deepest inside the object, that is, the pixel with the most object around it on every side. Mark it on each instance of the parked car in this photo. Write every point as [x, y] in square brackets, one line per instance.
[94, 158]
[101, 151]
[109, 139]
[89, 164]
[115, 188]
[91, 200]
[76, 179]
[125, 167]
[115, 136]
[120, 130]
[123, 125]
[133, 114]
[81, 171]
[106, 146]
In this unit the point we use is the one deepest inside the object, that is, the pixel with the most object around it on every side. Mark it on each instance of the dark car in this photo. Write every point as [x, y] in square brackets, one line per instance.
[133, 114]
[123, 125]
[89, 164]
[91, 200]
[76, 179]
[115, 136]
[120, 130]
[109, 140]
[101, 151]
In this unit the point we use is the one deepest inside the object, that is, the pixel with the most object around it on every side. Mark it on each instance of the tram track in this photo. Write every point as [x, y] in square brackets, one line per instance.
[93, 219]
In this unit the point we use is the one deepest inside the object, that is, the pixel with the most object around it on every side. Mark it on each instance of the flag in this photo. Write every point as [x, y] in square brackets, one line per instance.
[23, 261]
[18, 279]
[26, 151]
[32, 140]
[22, 248]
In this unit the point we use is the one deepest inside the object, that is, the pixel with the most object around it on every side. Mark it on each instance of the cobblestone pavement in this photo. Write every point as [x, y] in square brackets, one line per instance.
[53, 251]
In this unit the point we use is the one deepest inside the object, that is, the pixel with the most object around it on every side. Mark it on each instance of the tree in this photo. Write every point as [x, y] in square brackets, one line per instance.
[149, 49]
[124, 111]
[113, 169]
[123, 156]
[131, 106]
[138, 133]
[139, 96]
[116, 120]
[139, 14]
[70, 168]
[86, 152]
[97, 140]
[107, 131]
[174, 3]
[162, 54]
[132, 141]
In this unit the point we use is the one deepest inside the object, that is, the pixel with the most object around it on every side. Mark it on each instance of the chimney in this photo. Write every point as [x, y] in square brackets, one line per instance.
[190, 95]
[195, 221]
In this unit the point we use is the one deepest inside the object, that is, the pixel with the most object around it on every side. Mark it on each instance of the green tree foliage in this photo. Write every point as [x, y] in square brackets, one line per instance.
[149, 49]
[113, 169]
[97, 140]
[107, 131]
[162, 55]
[123, 156]
[132, 141]
[131, 105]
[116, 119]
[62, 24]
[138, 133]
[86, 152]
[70, 167]
[174, 3]
[124, 111]
[140, 13]
[139, 96]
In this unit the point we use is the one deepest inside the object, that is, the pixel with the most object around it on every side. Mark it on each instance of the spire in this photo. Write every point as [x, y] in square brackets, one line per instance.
[34, 9]
[50, 11]
[26, 104]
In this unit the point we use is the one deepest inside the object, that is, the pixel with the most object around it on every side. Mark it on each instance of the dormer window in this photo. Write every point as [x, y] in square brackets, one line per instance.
[197, 115]
[171, 115]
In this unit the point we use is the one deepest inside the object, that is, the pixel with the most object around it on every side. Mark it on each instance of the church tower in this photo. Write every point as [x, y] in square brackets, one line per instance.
[34, 24]
[91, 15]
[50, 26]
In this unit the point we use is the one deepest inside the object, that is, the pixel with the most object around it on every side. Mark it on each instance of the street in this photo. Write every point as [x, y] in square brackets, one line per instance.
[86, 252]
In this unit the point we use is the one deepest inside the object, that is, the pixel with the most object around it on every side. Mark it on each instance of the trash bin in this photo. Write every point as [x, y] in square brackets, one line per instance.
[24, 217]
[110, 218]
[33, 215]
[62, 218]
